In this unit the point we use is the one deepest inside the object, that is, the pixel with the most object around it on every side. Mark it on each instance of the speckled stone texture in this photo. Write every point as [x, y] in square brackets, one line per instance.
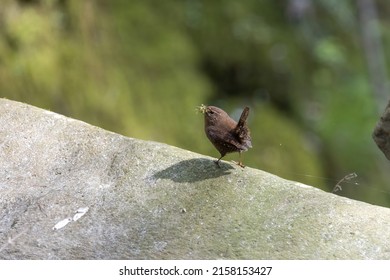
[148, 200]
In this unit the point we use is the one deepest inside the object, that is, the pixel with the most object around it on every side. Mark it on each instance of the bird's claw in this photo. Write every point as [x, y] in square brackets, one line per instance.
[239, 163]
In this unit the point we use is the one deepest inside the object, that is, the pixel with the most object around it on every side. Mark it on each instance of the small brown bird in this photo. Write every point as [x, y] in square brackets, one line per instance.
[226, 134]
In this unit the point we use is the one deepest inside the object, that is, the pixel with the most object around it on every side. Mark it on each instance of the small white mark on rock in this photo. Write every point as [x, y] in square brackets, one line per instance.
[62, 223]
[160, 246]
[302, 185]
[80, 212]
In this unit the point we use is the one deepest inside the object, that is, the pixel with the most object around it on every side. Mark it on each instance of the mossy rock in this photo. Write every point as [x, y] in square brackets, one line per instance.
[148, 200]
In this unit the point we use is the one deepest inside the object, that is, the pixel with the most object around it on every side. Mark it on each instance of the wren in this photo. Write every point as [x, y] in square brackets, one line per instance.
[226, 134]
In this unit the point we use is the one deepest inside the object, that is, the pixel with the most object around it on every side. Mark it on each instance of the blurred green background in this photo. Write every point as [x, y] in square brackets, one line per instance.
[313, 72]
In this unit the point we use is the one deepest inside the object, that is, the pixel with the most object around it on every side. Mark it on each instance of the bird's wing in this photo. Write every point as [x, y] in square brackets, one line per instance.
[224, 139]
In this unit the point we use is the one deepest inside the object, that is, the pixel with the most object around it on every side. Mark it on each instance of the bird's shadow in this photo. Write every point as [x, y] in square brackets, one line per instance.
[193, 170]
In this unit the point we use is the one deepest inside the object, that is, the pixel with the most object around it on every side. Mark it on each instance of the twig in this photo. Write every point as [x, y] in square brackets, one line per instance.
[344, 179]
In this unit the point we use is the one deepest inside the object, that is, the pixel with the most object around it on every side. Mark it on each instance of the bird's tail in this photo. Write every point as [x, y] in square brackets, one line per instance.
[244, 116]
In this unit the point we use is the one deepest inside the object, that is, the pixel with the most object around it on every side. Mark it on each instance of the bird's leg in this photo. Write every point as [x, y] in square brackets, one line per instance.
[239, 163]
[217, 161]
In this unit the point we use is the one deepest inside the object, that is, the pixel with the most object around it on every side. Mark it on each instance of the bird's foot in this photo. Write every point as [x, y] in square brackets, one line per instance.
[217, 163]
[239, 163]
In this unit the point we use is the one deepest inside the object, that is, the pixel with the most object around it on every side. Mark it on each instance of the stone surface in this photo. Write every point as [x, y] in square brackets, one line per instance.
[148, 200]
